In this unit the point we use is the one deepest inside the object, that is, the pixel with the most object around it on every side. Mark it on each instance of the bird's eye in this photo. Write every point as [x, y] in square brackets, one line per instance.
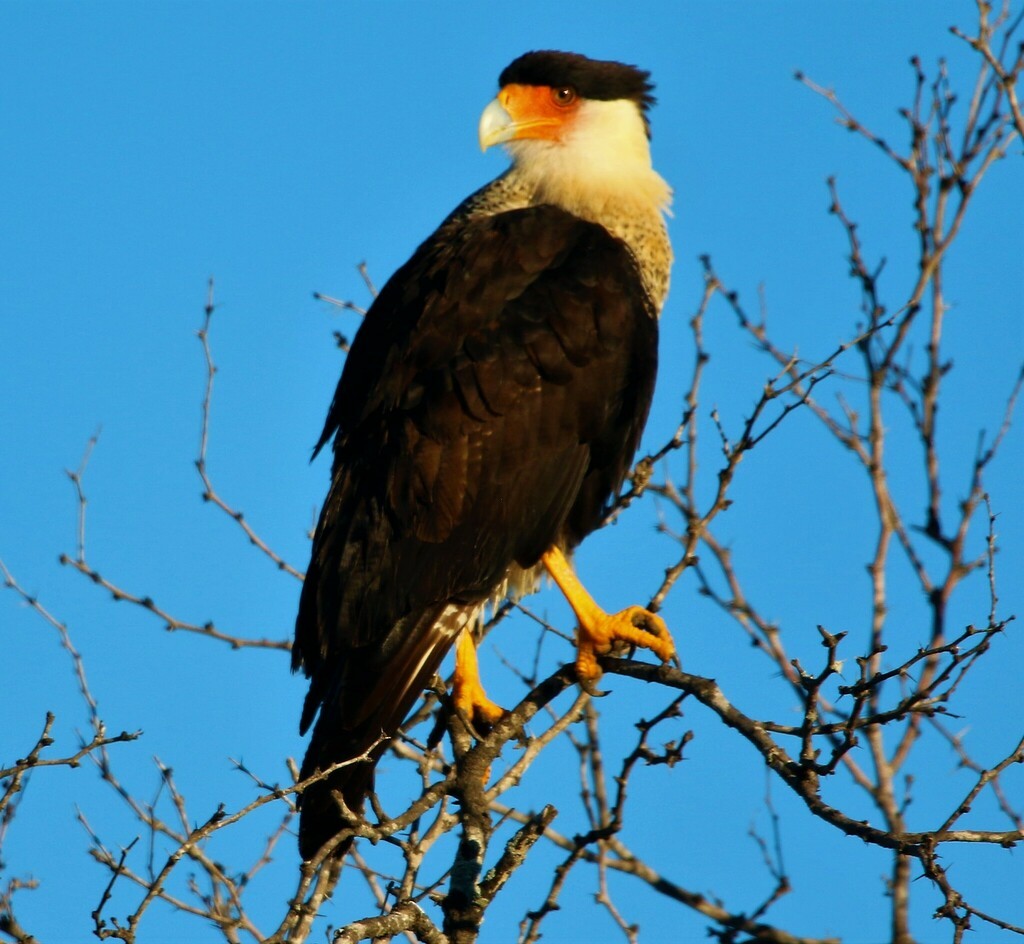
[563, 96]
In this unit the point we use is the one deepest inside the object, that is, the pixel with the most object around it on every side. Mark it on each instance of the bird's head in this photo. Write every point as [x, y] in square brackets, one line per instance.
[578, 125]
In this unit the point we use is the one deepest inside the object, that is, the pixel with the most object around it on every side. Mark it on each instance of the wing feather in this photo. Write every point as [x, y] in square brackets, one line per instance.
[490, 406]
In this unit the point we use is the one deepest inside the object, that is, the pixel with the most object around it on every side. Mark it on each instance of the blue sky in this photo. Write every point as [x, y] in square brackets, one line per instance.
[146, 147]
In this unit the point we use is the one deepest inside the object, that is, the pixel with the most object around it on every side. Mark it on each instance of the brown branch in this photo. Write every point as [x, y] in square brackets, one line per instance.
[408, 916]
[172, 623]
[80, 563]
[9, 923]
[982, 43]
[794, 774]
[34, 760]
[209, 492]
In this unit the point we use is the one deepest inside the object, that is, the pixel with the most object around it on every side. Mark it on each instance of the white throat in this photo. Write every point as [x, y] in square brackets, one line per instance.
[600, 168]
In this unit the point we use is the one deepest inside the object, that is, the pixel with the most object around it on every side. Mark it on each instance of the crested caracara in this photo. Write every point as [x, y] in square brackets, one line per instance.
[488, 411]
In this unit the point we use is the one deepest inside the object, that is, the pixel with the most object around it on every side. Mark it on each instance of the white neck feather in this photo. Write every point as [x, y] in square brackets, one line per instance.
[600, 168]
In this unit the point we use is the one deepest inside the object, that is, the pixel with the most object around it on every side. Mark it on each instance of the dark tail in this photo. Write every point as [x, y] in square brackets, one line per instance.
[320, 815]
[361, 715]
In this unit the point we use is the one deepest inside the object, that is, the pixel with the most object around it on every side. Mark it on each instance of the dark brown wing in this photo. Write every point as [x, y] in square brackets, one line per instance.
[489, 406]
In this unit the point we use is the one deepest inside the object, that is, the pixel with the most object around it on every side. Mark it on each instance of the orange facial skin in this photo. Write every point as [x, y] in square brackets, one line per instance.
[539, 111]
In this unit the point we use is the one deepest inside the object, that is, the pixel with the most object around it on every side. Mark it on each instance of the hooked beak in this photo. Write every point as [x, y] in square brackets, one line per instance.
[496, 125]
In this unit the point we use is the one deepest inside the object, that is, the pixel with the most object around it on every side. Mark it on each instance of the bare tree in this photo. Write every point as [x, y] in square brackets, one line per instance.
[861, 710]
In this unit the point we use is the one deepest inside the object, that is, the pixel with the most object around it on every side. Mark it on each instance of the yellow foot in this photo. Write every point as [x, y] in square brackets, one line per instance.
[602, 632]
[599, 632]
[468, 695]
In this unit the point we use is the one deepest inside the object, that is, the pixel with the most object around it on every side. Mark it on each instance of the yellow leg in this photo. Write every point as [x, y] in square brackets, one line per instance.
[468, 693]
[599, 631]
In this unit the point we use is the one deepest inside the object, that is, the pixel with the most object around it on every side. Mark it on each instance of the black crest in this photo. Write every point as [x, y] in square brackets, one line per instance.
[592, 78]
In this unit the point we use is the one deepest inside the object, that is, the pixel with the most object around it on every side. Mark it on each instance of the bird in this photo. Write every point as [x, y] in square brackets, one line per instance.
[487, 413]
